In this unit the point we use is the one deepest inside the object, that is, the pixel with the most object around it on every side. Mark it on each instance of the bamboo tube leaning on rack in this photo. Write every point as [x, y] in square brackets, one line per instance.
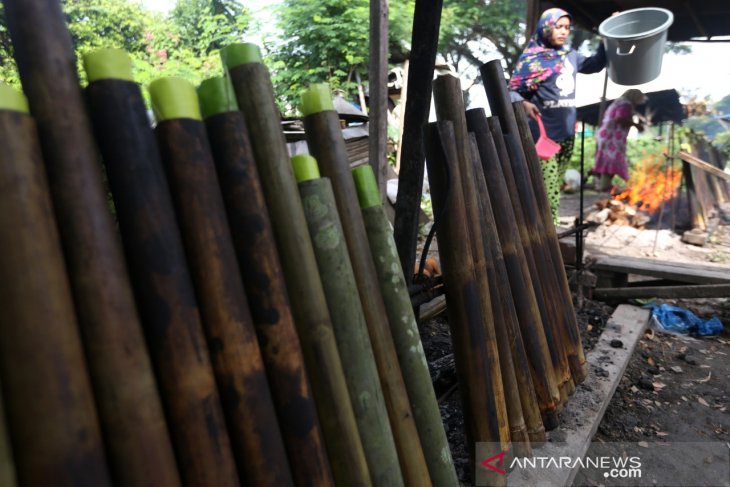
[548, 392]
[227, 323]
[462, 292]
[258, 262]
[496, 88]
[324, 138]
[55, 433]
[120, 369]
[525, 331]
[255, 96]
[576, 356]
[404, 328]
[502, 307]
[449, 103]
[348, 320]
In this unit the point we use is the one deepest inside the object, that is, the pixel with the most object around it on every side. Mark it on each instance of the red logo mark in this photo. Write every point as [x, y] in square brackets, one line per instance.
[499, 457]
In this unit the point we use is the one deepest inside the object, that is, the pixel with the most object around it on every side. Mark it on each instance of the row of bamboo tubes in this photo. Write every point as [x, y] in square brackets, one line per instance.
[226, 324]
[517, 347]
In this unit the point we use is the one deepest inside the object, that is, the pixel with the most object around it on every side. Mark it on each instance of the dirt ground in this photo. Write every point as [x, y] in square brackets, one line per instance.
[675, 388]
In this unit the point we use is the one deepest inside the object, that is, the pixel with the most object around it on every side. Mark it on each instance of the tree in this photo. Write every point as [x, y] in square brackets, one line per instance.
[207, 25]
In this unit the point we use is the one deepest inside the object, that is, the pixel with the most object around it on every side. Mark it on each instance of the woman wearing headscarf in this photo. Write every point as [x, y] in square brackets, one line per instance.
[544, 78]
[611, 138]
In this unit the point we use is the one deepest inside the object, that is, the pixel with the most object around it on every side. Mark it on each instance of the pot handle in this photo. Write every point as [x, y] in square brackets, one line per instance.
[631, 51]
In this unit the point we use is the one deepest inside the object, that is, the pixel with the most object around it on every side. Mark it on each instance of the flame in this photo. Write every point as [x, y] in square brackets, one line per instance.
[650, 184]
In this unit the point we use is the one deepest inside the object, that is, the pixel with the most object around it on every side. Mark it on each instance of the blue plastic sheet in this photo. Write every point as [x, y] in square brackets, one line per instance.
[673, 319]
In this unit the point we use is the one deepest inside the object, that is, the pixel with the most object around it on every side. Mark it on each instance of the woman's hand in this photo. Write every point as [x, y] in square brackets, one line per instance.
[532, 111]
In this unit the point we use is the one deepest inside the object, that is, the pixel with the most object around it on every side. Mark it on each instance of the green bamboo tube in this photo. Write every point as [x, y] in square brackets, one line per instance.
[324, 138]
[49, 405]
[511, 266]
[576, 356]
[114, 346]
[264, 283]
[255, 97]
[227, 322]
[511, 227]
[348, 321]
[449, 103]
[7, 467]
[462, 292]
[548, 300]
[404, 329]
[503, 308]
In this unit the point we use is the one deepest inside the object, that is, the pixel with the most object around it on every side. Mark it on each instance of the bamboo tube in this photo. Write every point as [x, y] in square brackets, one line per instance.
[226, 319]
[255, 97]
[546, 294]
[513, 272]
[324, 138]
[520, 267]
[576, 356]
[449, 103]
[264, 283]
[348, 320]
[7, 467]
[120, 369]
[462, 292]
[53, 425]
[405, 330]
[503, 308]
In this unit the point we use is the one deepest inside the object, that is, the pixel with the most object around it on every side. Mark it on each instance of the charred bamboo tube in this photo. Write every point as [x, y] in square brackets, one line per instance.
[7, 467]
[512, 228]
[324, 138]
[503, 308]
[348, 320]
[519, 295]
[49, 406]
[576, 356]
[264, 283]
[255, 97]
[498, 96]
[405, 330]
[462, 291]
[120, 369]
[257, 447]
[449, 103]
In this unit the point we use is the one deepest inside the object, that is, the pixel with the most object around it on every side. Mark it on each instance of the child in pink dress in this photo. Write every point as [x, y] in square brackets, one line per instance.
[611, 138]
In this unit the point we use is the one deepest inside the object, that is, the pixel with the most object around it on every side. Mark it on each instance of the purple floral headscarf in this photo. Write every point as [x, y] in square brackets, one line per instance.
[540, 59]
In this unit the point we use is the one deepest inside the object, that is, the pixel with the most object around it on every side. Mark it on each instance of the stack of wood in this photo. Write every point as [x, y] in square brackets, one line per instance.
[616, 212]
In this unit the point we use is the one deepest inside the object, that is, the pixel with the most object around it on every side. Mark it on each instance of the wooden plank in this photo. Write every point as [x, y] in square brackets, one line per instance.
[705, 166]
[676, 271]
[378, 78]
[585, 409]
[694, 291]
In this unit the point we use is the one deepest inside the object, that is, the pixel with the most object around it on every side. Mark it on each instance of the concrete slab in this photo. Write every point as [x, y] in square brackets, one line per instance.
[585, 408]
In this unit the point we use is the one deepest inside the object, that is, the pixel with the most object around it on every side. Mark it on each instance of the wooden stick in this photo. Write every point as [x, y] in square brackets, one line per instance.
[227, 322]
[7, 467]
[527, 329]
[324, 138]
[692, 291]
[406, 336]
[705, 166]
[263, 280]
[427, 18]
[114, 345]
[462, 292]
[47, 394]
[349, 323]
[255, 96]
[504, 314]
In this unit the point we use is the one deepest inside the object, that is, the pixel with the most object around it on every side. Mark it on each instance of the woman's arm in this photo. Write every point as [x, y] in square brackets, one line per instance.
[532, 111]
[592, 64]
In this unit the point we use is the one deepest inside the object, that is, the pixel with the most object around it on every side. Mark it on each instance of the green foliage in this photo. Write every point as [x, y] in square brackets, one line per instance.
[465, 24]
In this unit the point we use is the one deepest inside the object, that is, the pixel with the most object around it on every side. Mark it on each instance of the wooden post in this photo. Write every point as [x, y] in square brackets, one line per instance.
[426, 22]
[114, 345]
[7, 466]
[263, 280]
[378, 81]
